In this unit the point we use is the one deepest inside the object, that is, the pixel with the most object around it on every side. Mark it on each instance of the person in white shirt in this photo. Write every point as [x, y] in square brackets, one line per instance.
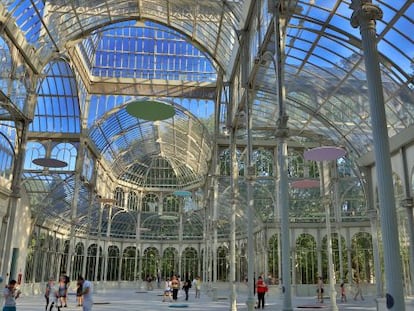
[87, 291]
[51, 295]
[167, 291]
[10, 294]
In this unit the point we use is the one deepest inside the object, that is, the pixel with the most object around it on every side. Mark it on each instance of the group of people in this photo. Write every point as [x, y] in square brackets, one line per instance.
[358, 290]
[173, 285]
[56, 296]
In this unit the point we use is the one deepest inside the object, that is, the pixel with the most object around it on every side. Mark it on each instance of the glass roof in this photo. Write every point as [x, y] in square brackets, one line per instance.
[134, 146]
[175, 51]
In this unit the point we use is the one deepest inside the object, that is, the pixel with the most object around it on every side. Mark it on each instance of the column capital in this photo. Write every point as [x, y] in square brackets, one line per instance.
[372, 213]
[251, 173]
[364, 10]
[282, 128]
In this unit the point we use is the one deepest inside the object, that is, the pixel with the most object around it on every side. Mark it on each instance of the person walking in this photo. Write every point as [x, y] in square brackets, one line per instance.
[51, 295]
[186, 287]
[358, 290]
[319, 289]
[10, 294]
[261, 289]
[175, 285]
[87, 292]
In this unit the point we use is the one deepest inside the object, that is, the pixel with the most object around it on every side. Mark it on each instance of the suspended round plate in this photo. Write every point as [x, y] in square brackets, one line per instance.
[150, 110]
[305, 184]
[49, 162]
[182, 193]
[326, 153]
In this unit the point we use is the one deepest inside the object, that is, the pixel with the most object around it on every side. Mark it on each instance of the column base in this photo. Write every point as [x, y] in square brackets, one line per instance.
[381, 304]
[250, 303]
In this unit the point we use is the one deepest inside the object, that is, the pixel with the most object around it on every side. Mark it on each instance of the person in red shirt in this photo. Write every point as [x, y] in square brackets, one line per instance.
[261, 290]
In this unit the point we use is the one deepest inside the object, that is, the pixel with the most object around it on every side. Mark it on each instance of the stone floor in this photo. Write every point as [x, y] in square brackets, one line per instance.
[131, 300]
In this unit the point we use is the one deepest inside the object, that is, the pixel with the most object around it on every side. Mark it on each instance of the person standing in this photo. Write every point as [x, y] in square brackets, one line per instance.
[167, 291]
[197, 286]
[87, 293]
[319, 289]
[261, 289]
[10, 294]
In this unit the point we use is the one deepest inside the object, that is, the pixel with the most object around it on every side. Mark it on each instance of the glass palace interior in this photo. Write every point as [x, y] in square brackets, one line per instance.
[222, 189]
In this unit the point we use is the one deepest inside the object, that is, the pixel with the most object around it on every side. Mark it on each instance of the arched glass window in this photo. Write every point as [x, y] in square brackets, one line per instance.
[263, 160]
[132, 201]
[113, 263]
[57, 108]
[66, 152]
[150, 203]
[129, 264]
[225, 162]
[6, 156]
[306, 258]
[171, 204]
[88, 165]
[34, 150]
[119, 197]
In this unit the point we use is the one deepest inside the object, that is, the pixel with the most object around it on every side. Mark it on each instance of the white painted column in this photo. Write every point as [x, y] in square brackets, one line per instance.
[364, 16]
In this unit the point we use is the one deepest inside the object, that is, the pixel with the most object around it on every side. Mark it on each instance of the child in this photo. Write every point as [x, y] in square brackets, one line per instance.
[343, 295]
[79, 295]
[167, 291]
[62, 289]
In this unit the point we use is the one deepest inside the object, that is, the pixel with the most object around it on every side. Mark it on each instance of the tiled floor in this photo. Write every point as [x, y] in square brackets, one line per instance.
[134, 300]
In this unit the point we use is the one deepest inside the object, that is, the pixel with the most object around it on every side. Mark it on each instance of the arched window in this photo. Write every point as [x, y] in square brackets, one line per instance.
[66, 152]
[263, 160]
[112, 273]
[34, 150]
[57, 108]
[150, 203]
[78, 260]
[119, 197]
[6, 156]
[129, 264]
[189, 264]
[306, 259]
[132, 201]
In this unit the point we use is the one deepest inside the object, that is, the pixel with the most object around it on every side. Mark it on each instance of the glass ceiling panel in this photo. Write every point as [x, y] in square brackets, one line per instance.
[50, 25]
[150, 51]
[121, 140]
